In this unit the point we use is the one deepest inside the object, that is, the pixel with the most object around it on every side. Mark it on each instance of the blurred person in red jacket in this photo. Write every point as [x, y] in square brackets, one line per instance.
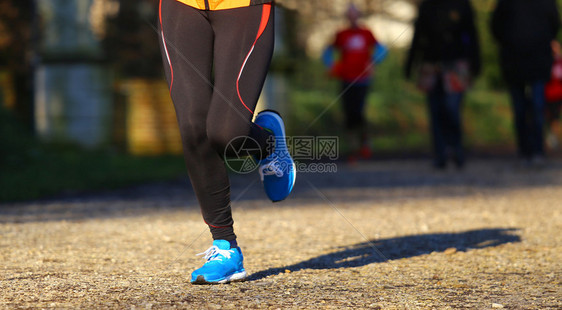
[358, 52]
[553, 94]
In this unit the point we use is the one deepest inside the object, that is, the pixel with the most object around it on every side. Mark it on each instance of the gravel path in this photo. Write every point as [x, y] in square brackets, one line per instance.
[380, 235]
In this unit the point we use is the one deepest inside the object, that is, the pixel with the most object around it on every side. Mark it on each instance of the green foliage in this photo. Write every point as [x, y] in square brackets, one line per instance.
[396, 110]
[72, 171]
[31, 170]
[16, 143]
[491, 73]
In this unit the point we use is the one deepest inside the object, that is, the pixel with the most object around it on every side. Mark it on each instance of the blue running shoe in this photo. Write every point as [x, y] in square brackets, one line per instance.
[277, 171]
[223, 265]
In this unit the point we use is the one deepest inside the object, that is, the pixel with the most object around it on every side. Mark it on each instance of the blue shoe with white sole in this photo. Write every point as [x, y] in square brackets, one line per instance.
[223, 265]
[277, 171]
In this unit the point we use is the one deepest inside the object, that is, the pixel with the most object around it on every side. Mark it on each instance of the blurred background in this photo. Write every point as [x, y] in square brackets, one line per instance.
[84, 104]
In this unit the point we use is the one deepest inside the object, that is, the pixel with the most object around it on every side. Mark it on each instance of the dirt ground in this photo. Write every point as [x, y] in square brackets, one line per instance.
[379, 235]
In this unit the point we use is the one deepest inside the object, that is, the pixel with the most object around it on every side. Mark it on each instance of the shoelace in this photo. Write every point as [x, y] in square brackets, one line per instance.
[214, 253]
[272, 168]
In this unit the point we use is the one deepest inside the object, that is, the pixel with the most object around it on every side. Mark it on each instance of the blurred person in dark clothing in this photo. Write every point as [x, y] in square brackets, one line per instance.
[446, 52]
[524, 30]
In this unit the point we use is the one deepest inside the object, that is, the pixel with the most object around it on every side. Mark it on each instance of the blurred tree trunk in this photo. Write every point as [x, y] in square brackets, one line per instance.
[16, 20]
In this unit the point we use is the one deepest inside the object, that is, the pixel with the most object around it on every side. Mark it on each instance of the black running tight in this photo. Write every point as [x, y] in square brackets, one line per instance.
[215, 64]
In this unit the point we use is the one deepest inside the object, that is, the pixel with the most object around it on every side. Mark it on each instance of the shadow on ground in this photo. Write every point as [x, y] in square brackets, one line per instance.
[377, 251]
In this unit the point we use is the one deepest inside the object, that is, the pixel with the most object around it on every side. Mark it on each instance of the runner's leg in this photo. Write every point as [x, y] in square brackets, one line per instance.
[243, 50]
[187, 49]
[242, 54]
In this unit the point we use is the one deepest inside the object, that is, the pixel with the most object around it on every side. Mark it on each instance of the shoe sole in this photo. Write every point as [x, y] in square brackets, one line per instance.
[292, 186]
[278, 117]
[280, 120]
[237, 277]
